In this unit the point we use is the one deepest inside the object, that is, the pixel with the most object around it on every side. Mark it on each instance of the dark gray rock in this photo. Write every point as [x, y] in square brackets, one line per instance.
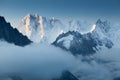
[66, 75]
[11, 35]
[117, 78]
[85, 44]
[16, 78]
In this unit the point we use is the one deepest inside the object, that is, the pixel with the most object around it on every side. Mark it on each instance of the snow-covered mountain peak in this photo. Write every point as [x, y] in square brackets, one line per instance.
[32, 27]
[83, 44]
[37, 28]
[81, 26]
[103, 25]
[30, 17]
[93, 28]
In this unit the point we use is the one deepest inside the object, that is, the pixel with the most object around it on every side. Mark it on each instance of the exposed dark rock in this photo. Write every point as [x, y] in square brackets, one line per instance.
[11, 35]
[16, 78]
[118, 78]
[84, 44]
[66, 75]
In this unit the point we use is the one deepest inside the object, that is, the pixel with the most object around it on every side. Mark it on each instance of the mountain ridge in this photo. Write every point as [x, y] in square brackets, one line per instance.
[12, 35]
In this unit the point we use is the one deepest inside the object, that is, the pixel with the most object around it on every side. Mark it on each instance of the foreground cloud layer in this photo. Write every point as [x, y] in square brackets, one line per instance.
[34, 62]
[45, 62]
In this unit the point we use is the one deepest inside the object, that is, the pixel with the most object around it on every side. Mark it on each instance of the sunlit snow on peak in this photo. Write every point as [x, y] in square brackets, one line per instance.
[93, 28]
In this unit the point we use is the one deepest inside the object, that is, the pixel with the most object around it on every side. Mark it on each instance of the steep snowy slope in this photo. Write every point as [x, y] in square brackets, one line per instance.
[38, 28]
[87, 43]
[32, 27]
[109, 30]
[80, 26]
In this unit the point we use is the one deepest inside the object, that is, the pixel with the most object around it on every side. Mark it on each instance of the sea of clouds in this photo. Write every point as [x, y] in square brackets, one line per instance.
[103, 65]
[45, 62]
[34, 62]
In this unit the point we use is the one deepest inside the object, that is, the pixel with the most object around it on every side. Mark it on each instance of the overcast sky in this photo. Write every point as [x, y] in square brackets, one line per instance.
[15, 10]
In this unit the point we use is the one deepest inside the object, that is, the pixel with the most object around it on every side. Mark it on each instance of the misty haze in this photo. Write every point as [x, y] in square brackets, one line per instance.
[59, 40]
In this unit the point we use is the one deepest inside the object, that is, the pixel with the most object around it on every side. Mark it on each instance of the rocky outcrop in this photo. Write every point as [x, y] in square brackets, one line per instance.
[11, 35]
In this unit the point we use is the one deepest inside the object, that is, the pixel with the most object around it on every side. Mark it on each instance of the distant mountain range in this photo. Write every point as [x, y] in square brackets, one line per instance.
[74, 36]
[87, 43]
[38, 29]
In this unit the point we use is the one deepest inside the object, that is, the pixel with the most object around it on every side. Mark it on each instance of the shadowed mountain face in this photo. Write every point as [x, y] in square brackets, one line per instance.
[11, 35]
[118, 78]
[86, 43]
[66, 75]
[81, 44]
